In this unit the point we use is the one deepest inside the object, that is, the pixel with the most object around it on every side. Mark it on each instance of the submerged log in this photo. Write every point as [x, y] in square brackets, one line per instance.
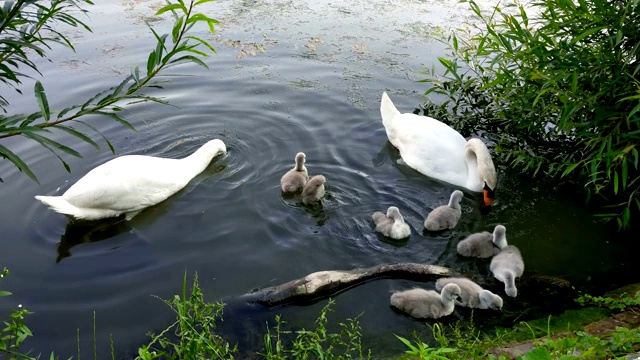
[325, 283]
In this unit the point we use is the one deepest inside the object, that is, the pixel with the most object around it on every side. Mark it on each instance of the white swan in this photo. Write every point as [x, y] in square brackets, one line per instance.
[483, 244]
[506, 267]
[392, 224]
[295, 179]
[130, 183]
[445, 216]
[436, 150]
[421, 303]
[472, 295]
[314, 190]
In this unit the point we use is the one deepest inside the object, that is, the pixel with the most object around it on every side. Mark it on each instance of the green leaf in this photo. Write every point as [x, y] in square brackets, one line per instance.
[202, 2]
[175, 32]
[41, 98]
[117, 118]
[77, 134]
[586, 33]
[615, 182]
[46, 141]
[172, 7]
[4, 293]
[151, 62]
[15, 159]
[190, 58]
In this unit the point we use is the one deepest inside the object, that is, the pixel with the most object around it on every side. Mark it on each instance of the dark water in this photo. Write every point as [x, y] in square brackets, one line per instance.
[317, 90]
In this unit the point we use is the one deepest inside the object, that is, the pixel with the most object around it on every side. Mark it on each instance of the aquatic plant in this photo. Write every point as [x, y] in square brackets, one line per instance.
[28, 28]
[556, 85]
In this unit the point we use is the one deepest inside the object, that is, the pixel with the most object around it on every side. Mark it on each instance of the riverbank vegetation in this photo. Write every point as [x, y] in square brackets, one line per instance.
[29, 29]
[192, 335]
[555, 84]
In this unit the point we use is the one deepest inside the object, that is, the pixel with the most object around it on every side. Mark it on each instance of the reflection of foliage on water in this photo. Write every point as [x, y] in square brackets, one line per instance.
[556, 87]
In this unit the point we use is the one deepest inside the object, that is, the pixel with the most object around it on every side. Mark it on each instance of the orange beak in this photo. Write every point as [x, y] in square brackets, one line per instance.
[488, 200]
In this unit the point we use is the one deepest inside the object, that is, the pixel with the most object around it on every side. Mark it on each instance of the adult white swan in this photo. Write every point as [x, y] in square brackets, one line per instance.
[438, 151]
[130, 183]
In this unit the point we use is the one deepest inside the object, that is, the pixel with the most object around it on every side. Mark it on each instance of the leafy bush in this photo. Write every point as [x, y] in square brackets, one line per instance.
[556, 85]
[28, 25]
[622, 302]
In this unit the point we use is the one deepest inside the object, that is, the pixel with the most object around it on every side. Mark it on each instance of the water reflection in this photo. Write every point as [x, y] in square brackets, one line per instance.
[84, 232]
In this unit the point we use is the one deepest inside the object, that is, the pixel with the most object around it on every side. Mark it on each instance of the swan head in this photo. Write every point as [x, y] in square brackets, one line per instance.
[490, 300]
[478, 155]
[450, 292]
[214, 147]
[300, 160]
[500, 237]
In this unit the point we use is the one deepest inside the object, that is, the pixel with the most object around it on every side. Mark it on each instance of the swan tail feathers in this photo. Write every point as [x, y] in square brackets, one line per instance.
[59, 205]
[388, 111]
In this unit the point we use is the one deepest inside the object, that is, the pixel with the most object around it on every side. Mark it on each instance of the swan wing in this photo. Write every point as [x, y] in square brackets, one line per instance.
[128, 183]
[430, 147]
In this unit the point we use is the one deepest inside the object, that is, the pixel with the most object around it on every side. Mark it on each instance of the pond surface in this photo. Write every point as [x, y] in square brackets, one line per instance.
[289, 76]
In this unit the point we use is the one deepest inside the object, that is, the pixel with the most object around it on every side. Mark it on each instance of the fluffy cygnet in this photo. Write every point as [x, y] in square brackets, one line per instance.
[483, 244]
[295, 179]
[392, 224]
[314, 190]
[422, 304]
[506, 267]
[472, 295]
[445, 216]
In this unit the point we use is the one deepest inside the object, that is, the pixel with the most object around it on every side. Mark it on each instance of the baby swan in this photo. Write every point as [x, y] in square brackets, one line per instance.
[426, 304]
[445, 216]
[472, 295]
[314, 190]
[483, 244]
[506, 266]
[295, 179]
[392, 224]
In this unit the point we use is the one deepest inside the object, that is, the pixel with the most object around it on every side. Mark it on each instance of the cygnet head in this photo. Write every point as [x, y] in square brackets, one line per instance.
[490, 300]
[394, 213]
[500, 237]
[455, 199]
[450, 292]
[300, 160]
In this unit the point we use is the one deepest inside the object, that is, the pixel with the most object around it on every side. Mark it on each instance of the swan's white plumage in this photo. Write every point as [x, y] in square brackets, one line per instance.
[436, 150]
[130, 183]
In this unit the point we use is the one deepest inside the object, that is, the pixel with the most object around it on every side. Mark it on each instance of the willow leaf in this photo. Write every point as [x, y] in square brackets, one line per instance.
[15, 159]
[190, 58]
[46, 141]
[99, 133]
[41, 97]
[78, 134]
[171, 7]
[118, 119]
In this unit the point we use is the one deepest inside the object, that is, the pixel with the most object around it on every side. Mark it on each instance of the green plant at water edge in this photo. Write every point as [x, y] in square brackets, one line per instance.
[423, 351]
[192, 335]
[15, 331]
[28, 27]
[556, 85]
[316, 344]
[622, 302]
[581, 345]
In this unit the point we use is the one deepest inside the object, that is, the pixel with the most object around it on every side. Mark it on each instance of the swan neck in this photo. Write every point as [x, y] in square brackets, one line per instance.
[199, 160]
